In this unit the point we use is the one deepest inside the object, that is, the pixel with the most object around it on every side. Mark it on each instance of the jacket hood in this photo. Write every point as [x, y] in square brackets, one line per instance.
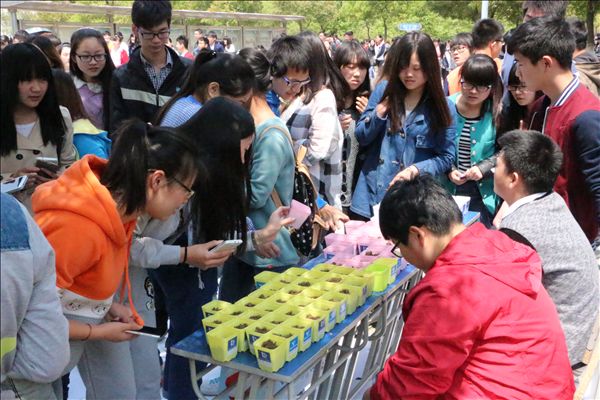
[586, 57]
[79, 191]
[508, 262]
[591, 70]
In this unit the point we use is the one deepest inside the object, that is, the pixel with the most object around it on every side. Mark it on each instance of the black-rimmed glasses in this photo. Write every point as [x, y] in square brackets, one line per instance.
[87, 58]
[295, 84]
[478, 88]
[190, 191]
[396, 250]
[162, 35]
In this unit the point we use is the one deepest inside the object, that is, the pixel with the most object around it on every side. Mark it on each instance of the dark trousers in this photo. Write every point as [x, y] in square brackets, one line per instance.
[183, 299]
[471, 189]
[237, 279]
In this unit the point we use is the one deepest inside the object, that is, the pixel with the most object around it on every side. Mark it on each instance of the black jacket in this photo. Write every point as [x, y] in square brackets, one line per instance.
[132, 93]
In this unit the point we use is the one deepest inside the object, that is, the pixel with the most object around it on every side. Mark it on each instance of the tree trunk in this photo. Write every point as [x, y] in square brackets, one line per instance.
[385, 29]
[591, 8]
[368, 29]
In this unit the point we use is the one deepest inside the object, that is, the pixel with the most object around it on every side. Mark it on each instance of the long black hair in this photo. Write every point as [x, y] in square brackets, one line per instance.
[231, 72]
[257, 60]
[399, 57]
[351, 52]
[47, 47]
[105, 75]
[481, 70]
[19, 63]
[219, 209]
[323, 72]
[140, 148]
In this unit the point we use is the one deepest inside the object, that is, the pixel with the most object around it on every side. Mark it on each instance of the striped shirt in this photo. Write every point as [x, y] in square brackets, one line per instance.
[159, 77]
[464, 145]
[181, 111]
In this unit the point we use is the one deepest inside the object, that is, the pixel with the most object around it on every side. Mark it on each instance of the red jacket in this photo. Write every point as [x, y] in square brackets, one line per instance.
[480, 325]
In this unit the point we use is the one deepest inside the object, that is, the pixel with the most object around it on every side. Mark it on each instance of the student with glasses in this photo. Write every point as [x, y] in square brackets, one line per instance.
[92, 70]
[460, 49]
[154, 72]
[475, 106]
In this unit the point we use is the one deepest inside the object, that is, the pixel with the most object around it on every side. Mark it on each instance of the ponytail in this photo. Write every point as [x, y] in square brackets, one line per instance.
[139, 148]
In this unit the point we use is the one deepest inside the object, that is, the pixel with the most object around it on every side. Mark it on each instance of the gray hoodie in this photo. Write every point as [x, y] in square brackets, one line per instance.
[588, 67]
[35, 334]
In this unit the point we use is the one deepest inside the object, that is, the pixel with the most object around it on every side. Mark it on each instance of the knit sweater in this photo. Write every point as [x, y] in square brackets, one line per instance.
[570, 273]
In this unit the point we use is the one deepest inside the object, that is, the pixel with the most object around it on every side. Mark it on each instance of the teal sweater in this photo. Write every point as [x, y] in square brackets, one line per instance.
[272, 167]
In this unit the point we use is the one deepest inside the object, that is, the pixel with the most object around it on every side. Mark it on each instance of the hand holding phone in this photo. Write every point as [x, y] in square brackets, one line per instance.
[48, 167]
[14, 185]
[226, 246]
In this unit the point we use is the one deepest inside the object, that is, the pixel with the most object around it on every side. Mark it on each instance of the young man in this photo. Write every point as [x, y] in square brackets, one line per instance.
[526, 169]
[34, 331]
[154, 72]
[543, 49]
[181, 45]
[213, 44]
[488, 39]
[198, 34]
[479, 325]
[586, 62]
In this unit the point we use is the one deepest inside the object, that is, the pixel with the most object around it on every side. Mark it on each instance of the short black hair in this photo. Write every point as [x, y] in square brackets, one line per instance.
[148, 14]
[182, 40]
[289, 52]
[545, 36]
[349, 33]
[579, 32]
[204, 39]
[534, 156]
[462, 39]
[21, 35]
[212, 34]
[553, 8]
[420, 202]
[486, 31]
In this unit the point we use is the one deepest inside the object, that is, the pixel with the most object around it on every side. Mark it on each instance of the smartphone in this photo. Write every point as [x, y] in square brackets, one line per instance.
[14, 185]
[227, 245]
[49, 163]
[148, 331]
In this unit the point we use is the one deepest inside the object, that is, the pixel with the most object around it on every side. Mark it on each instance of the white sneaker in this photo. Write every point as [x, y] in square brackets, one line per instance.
[213, 383]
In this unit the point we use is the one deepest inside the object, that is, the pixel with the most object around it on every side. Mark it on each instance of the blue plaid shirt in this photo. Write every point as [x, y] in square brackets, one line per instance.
[159, 77]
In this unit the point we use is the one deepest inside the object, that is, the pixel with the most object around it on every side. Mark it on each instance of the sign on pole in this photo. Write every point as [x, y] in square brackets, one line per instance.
[410, 26]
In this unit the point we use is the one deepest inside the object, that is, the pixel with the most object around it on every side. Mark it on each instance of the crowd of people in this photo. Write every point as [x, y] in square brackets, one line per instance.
[141, 157]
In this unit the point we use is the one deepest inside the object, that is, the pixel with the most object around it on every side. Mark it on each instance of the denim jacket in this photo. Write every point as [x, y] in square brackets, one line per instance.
[387, 152]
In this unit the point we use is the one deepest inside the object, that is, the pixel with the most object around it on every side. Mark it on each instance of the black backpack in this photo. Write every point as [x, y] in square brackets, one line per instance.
[307, 237]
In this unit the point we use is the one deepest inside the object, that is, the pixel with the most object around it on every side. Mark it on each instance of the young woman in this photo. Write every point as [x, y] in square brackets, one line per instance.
[520, 113]
[212, 75]
[86, 137]
[64, 51]
[88, 215]
[312, 119]
[45, 44]
[33, 124]
[272, 170]
[228, 45]
[411, 129]
[475, 107]
[118, 54]
[92, 69]
[353, 62]
[460, 48]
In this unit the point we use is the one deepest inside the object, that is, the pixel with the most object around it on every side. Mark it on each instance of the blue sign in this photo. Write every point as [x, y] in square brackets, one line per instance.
[410, 26]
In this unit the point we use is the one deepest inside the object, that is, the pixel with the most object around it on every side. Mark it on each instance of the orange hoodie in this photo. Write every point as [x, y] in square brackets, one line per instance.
[80, 220]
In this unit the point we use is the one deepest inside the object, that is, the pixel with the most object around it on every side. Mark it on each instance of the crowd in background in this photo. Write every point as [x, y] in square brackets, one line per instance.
[163, 149]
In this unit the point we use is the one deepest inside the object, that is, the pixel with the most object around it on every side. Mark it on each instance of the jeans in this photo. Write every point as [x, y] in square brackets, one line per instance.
[471, 190]
[237, 280]
[184, 300]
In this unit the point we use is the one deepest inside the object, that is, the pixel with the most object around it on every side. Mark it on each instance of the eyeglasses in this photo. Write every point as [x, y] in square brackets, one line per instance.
[396, 250]
[478, 88]
[151, 35]
[86, 58]
[295, 84]
[189, 191]
[458, 49]
[518, 88]
[499, 40]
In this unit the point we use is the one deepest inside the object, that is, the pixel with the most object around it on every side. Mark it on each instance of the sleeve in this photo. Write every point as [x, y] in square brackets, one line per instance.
[445, 149]
[436, 340]
[148, 249]
[369, 126]
[267, 163]
[124, 57]
[586, 136]
[44, 326]
[321, 139]
[68, 153]
[118, 112]
[486, 166]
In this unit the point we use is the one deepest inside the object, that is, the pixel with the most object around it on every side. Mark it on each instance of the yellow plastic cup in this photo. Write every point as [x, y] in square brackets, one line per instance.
[359, 282]
[273, 286]
[248, 302]
[223, 343]
[300, 301]
[255, 331]
[314, 275]
[286, 279]
[214, 321]
[214, 307]
[295, 271]
[240, 325]
[280, 298]
[290, 337]
[340, 302]
[381, 276]
[265, 276]
[234, 310]
[274, 318]
[343, 270]
[333, 278]
[268, 305]
[303, 328]
[304, 282]
[254, 315]
[293, 290]
[260, 295]
[331, 309]
[325, 268]
[352, 293]
[312, 293]
[270, 359]
[368, 276]
[289, 311]
[318, 318]
[389, 263]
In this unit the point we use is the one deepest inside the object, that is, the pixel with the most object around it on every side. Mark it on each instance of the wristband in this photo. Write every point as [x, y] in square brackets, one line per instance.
[184, 255]
[89, 333]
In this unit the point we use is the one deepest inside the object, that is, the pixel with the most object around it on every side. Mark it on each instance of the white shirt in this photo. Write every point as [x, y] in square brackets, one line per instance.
[521, 202]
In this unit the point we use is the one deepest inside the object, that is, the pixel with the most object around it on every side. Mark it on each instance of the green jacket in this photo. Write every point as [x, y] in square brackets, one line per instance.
[483, 149]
